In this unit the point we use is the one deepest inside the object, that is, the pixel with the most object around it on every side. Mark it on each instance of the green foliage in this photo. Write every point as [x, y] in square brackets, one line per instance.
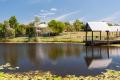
[11, 27]
[21, 29]
[6, 24]
[30, 30]
[78, 25]
[10, 33]
[2, 30]
[68, 27]
[56, 26]
[13, 22]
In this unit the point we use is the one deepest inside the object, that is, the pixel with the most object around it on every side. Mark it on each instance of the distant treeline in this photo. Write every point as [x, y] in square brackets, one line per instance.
[12, 28]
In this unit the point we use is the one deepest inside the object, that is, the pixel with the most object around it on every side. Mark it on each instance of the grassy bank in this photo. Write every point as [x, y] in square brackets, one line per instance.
[78, 37]
[109, 75]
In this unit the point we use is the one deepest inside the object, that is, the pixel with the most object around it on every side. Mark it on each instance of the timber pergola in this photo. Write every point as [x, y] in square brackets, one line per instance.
[101, 27]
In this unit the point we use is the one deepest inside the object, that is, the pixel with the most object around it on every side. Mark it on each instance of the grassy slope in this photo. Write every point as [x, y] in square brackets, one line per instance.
[63, 37]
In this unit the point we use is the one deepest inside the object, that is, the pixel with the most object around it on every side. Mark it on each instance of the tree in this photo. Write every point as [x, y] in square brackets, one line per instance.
[78, 25]
[36, 24]
[9, 32]
[30, 30]
[37, 19]
[68, 27]
[56, 26]
[13, 23]
[2, 30]
[21, 29]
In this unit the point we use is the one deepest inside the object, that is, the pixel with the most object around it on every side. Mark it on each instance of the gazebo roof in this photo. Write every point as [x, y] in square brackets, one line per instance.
[102, 26]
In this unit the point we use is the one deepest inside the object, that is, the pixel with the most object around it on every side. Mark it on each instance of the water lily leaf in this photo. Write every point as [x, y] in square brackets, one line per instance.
[1, 68]
[10, 68]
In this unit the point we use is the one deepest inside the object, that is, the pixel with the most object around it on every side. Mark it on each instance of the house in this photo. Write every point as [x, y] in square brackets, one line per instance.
[39, 27]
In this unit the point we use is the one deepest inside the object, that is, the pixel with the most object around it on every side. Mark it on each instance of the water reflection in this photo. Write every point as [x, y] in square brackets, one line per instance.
[10, 55]
[32, 54]
[97, 61]
[60, 59]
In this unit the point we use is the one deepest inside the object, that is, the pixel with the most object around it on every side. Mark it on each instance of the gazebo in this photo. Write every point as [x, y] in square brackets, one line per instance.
[101, 27]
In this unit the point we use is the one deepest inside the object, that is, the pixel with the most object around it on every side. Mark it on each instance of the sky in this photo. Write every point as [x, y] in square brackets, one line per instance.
[62, 10]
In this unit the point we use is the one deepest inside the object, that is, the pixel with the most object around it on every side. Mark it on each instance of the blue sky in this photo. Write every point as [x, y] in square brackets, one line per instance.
[63, 10]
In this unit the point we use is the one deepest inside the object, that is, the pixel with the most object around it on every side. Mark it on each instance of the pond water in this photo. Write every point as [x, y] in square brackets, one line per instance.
[60, 59]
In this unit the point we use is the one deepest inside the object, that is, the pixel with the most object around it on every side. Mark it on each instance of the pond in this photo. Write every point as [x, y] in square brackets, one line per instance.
[60, 59]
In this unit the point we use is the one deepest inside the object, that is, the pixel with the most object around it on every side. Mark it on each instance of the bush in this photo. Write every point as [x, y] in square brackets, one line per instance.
[10, 33]
[56, 26]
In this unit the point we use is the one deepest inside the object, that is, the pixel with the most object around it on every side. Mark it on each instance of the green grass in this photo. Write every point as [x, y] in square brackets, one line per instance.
[77, 37]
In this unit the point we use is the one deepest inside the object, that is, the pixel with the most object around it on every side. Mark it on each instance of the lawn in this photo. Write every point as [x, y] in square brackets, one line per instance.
[78, 37]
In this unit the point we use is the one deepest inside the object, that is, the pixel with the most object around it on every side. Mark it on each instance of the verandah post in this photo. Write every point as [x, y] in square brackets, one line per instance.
[100, 35]
[86, 34]
[107, 37]
[92, 37]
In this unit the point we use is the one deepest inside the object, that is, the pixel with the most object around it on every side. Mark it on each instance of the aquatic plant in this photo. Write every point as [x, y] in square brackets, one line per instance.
[8, 66]
[36, 75]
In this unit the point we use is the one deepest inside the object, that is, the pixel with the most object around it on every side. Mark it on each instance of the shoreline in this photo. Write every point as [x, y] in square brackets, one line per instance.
[81, 43]
[41, 42]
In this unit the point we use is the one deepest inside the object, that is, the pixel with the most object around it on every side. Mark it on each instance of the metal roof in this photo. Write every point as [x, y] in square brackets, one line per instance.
[114, 28]
[102, 26]
[43, 25]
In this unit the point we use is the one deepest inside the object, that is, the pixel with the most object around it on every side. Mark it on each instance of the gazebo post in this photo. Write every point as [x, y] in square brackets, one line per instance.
[119, 33]
[107, 37]
[100, 35]
[92, 37]
[86, 34]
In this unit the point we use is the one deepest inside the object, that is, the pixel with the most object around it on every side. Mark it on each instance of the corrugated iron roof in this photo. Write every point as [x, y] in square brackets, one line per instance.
[114, 28]
[102, 26]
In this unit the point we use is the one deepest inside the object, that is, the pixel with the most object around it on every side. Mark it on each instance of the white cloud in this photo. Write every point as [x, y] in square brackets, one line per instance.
[63, 17]
[53, 9]
[47, 14]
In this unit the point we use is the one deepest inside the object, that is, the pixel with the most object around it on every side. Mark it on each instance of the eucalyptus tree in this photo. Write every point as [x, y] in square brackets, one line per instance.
[36, 24]
[30, 30]
[78, 25]
[56, 26]
[21, 29]
[14, 24]
[2, 30]
[68, 27]
[9, 32]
